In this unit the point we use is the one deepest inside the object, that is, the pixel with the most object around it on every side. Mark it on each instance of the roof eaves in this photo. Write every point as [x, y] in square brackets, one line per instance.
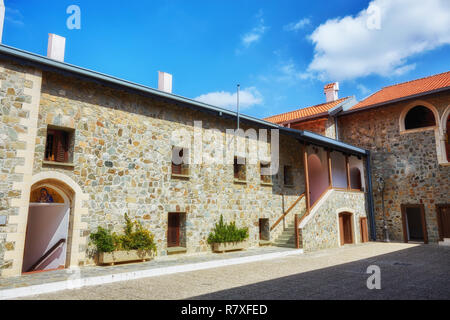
[43, 61]
[395, 100]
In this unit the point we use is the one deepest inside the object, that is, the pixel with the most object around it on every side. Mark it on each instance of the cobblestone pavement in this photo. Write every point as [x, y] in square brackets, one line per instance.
[408, 271]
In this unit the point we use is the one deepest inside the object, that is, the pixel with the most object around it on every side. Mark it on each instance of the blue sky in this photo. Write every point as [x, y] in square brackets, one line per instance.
[281, 52]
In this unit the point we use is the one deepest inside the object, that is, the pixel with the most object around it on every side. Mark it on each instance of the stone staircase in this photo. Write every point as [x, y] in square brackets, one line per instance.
[287, 237]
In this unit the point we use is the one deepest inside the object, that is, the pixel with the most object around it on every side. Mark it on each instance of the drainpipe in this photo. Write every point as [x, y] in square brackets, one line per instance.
[336, 127]
[373, 233]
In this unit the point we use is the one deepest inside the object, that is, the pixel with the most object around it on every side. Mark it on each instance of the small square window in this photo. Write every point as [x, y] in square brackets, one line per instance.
[287, 176]
[239, 169]
[265, 178]
[179, 165]
[59, 145]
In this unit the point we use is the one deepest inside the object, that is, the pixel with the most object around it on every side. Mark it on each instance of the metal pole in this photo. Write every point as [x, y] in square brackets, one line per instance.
[238, 87]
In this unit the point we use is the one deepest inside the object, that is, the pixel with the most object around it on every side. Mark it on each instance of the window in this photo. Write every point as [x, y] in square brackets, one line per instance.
[288, 178]
[179, 159]
[239, 169]
[265, 178]
[419, 117]
[59, 145]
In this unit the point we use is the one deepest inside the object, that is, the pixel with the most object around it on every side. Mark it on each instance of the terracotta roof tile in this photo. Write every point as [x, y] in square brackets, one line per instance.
[305, 112]
[406, 89]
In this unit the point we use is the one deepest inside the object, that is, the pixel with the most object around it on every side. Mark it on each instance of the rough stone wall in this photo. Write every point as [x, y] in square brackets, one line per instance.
[321, 231]
[324, 126]
[122, 160]
[17, 126]
[408, 162]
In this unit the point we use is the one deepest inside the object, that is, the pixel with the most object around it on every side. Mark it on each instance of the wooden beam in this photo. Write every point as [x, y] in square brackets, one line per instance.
[297, 235]
[305, 165]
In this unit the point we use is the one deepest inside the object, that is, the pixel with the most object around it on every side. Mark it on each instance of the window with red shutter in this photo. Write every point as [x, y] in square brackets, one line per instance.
[57, 146]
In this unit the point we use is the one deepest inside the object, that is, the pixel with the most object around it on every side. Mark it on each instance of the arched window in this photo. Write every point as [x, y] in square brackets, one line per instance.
[447, 140]
[355, 178]
[419, 117]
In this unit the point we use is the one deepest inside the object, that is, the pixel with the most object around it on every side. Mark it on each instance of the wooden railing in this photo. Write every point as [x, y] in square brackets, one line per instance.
[46, 255]
[287, 211]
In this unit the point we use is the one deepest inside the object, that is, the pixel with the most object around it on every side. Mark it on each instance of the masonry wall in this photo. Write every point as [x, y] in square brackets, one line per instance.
[324, 126]
[321, 229]
[19, 93]
[407, 161]
[122, 160]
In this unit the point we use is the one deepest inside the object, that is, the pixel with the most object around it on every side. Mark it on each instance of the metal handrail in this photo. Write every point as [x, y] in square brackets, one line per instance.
[287, 211]
[46, 255]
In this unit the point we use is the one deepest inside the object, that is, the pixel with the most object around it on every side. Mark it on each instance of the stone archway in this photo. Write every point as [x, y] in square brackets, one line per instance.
[74, 194]
[48, 233]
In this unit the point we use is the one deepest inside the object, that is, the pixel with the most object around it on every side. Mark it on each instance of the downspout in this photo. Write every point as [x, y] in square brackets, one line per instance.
[336, 127]
[373, 233]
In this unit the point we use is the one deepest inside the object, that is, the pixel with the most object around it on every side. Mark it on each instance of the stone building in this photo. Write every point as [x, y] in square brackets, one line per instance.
[79, 149]
[405, 127]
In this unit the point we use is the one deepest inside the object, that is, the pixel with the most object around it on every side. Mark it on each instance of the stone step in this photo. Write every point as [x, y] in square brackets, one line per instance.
[284, 242]
[285, 245]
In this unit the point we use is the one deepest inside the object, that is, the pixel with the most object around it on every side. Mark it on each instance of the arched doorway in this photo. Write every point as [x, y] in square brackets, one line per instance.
[317, 176]
[47, 233]
[345, 228]
[447, 139]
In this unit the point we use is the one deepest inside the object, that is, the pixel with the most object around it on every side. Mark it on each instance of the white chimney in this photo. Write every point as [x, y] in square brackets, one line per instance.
[2, 19]
[164, 82]
[331, 91]
[56, 47]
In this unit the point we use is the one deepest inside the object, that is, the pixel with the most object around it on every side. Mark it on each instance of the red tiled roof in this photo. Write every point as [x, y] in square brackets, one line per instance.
[329, 86]
[406, 89]
[305, 112]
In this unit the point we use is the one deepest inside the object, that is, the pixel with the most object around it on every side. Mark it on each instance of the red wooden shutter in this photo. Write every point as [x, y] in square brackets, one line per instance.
[60, 153]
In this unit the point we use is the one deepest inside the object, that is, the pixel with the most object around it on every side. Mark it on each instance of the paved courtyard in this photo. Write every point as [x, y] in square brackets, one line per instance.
[408, 271]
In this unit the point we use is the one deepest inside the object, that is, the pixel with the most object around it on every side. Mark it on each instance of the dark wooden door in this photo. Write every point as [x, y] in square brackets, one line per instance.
[364, 231]
[341, 228]
[345, 227]
[173, 231]
[443, 212]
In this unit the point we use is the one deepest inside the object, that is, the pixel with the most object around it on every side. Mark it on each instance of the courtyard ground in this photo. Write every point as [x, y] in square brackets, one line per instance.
[408, 271]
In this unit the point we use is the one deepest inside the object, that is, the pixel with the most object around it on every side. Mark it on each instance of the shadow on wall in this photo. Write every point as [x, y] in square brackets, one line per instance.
[420, 272]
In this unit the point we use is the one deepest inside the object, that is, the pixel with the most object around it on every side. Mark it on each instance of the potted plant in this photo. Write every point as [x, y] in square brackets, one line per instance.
[228, 237]
[135, 244]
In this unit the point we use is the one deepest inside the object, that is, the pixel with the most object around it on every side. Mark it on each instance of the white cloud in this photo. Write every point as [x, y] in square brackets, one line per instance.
[256, 33]
[352, 47]
[288, 72]
[295, 26]
[248, 97]
[14, 16]
[363, 89]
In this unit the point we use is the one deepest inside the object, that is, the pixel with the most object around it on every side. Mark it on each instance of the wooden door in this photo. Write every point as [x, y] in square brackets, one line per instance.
[345, 228]
[443, 215]
[364, 231]
[173, 231]
[341, 228]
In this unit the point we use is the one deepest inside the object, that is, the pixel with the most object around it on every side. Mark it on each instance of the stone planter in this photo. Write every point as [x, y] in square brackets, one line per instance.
[124, 256]
[230, 246]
